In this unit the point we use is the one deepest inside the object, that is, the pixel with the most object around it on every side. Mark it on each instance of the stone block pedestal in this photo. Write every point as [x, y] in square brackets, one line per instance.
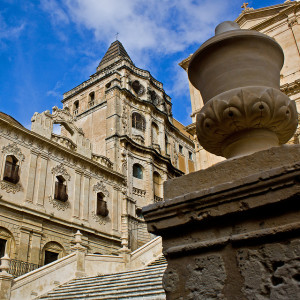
[232, 231]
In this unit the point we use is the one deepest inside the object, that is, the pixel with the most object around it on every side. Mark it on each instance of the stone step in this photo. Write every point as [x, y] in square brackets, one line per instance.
[117, 291]
[106, 285]
[146, 269]
[154, 295]
[138, 284]
[120, 276]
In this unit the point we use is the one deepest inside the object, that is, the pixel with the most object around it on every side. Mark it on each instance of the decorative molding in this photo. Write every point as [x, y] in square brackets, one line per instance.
[138, 192]
[60, 170]
[243, 109]
[60, 205]
[14, 150]
[10, 187]
[99, 219]
[100, 187]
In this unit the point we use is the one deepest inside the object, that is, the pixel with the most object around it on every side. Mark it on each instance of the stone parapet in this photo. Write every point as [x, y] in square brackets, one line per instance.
[234, 233]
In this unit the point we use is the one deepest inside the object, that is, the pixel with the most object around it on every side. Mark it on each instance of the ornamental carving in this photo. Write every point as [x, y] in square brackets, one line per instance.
[14, 150]
[99, 219]
[61, 170]
[100, 187]
[137, 87]
[10, 187]
[242, 109]
[60, 205]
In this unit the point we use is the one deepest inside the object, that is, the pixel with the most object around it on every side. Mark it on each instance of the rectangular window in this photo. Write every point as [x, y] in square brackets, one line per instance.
[190, 155]
[60, 191]
[180, 149]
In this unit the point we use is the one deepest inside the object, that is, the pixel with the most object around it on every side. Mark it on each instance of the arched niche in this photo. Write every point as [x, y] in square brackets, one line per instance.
[7, 243]
[51, 252]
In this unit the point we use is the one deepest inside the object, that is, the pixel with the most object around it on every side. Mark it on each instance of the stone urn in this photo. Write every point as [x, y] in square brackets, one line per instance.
[238, 75]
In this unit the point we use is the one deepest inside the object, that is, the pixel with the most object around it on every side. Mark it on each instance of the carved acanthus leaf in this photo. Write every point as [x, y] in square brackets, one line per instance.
[243, 109]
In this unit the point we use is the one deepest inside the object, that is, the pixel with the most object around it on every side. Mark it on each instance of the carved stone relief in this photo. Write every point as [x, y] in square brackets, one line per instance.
[11, 187]
[60, 205]
[13, 149]
[241, 109]
[99, 219]
[100, 187]
[61, 170]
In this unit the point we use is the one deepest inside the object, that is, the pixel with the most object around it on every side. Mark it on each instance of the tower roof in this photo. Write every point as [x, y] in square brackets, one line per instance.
[115, 50]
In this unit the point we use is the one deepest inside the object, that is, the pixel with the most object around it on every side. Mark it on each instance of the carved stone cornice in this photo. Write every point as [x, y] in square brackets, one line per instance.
[291, 88]
[242, 109]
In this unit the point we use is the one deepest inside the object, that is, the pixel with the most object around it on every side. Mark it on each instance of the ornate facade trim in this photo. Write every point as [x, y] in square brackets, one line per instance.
[10, 187]
[100, 187]
[99, 219]
[61, 170]
[60, 205]
[14, 150]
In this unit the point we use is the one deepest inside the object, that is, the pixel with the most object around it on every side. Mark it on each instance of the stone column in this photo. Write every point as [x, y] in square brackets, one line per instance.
[77, 186]
[35, 247]
[80, 255]
[24, 244]
[6, 279]
[231, 231]
[31, 176]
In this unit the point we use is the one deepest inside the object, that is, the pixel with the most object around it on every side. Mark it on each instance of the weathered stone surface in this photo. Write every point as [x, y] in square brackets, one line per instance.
[206, 278]
[237, 239]
[271, 271]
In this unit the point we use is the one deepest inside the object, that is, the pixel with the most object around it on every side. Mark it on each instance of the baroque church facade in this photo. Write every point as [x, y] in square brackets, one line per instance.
[119, 142]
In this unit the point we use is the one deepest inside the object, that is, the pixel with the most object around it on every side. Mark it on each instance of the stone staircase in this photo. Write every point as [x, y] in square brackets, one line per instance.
[139, 284]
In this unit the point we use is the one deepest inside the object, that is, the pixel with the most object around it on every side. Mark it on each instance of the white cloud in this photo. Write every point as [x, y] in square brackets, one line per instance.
[55, 91]
[165, 26]
[9, 32]
[57, 13]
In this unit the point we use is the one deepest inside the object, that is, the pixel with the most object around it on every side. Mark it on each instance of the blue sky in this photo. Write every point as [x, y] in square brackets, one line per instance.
[47, 47]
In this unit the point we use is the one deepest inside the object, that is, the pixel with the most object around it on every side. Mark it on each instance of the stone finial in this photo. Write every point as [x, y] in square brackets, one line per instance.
[5, 263]
[78, 239]
[238, 74]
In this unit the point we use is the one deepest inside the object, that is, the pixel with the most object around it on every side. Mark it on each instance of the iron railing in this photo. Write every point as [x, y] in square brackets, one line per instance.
[18, 267]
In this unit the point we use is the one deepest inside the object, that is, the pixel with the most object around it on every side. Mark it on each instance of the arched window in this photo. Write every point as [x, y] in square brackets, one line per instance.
[11, 169]
[101, 205]
[157, 186]
[52, 251]
[137, 171]
[75, 107]
[91, 99]
[138, 121]
[60, 192]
